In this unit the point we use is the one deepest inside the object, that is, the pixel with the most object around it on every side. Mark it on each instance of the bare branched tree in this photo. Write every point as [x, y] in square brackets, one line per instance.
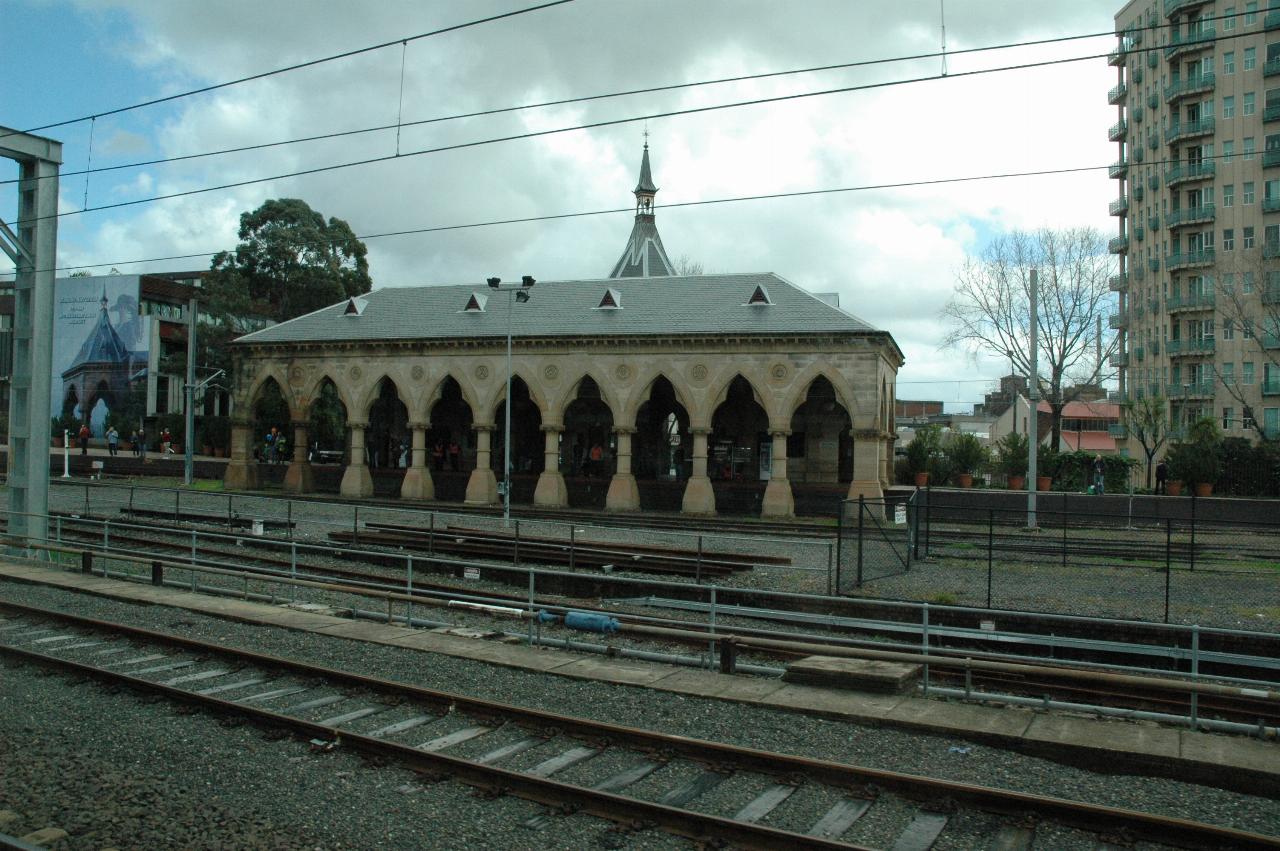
[686, 265]
[990, 309]
[1248, 303]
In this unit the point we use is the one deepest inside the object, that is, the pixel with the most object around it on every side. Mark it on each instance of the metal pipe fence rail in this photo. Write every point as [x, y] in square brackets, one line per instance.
[1074, 561]
[811, 560]
[145, 567]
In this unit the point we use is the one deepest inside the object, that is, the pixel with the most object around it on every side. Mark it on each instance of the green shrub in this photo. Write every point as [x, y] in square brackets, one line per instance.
[1012, 454]
[1075, 471]
[1198, 459]
[965, 452]
[922, 448]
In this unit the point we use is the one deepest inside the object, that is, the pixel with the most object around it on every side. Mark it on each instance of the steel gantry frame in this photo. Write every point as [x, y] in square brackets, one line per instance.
[32, 246]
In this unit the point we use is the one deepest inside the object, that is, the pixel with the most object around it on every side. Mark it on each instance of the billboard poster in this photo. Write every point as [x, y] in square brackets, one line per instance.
[100, 347]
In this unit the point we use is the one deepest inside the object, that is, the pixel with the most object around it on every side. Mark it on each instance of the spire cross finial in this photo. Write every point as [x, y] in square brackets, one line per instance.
[646, 134]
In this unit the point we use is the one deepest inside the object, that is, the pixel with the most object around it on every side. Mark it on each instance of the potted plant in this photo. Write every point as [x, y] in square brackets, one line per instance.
[1046, 466]
[1012, 456]
[1197, 460]
[921, 450]
[966, 455]
[217, 433]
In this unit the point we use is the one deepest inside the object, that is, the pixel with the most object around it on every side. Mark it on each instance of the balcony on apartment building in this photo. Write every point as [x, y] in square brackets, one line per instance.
[1187, 130]
[1119, 319]
[1189, 216]
[1117, 94]
[1271, 204]
[1190, 86]
[1139, 233]
[1189, 348]
[1188, 259]
[1118, 169]
[1187, 172]
[1192, 390]
[1136, 310]
[1154, 264]
[1173, 7]
[1154, 346]
[1119, 207]
[1272, 20]
[1271, 68]
[1116, 56]
[1118, 245]
[1137, 191]
[1153, 222]
[1190, 301]
[1271, 295]
[1136, 114]
[1199, 39]
[1153, 181]
[1118, 283]
[1139, 353]
[1271, 387]
[1271, 113]
[1117, 131]
[1271, 158]
[1119, 359]
[1271, 249]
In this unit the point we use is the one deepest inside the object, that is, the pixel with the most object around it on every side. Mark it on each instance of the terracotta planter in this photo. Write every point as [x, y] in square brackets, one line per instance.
[57, 443]
[208, 450]
[965, 480]
[1204, 489]
[1043, 483]
[1017, 483]
[922, 479]
[1174, 487]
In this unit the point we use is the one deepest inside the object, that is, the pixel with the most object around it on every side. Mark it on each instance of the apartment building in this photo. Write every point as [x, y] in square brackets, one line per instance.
[1198, 209]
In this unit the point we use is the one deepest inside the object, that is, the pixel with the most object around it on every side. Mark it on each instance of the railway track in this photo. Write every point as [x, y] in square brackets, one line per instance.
[651, 778]
[1056, 681]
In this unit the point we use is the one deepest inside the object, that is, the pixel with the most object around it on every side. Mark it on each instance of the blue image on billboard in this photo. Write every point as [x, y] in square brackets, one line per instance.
[100, 348]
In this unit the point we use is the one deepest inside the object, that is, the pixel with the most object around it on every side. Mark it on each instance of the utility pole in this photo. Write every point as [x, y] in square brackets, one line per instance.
[1033, 392]
[188, 461]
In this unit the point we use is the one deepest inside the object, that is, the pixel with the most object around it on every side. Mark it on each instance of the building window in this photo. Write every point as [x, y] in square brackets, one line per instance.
[1247, 192]
[1228, 239]
[1229, 107]
[1246, 331]
[1250, 58]
[1229, 195]
[1229, 62]
[1228, 371]
[1246, 418]
[1248, 148]
[1271, 422]
[1247, 238]
[1228, 417]
[1271, 190]
[1228, 150]
[1247, 102]
[1229, 333]
[1246, 283]
[1251, 12]
[1229, 18]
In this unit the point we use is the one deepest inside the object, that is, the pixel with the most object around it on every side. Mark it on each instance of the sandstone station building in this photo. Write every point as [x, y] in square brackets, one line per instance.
[647, 389]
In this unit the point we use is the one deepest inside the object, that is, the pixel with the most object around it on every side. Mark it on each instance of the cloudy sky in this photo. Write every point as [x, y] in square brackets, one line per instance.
[891, 254]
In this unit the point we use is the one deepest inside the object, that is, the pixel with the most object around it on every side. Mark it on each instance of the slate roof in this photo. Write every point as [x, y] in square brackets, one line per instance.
[103, 345]
[649, 307]
[644, 256]
[646, 178]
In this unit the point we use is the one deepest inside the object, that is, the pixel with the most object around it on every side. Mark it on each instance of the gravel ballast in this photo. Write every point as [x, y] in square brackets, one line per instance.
[40, 723]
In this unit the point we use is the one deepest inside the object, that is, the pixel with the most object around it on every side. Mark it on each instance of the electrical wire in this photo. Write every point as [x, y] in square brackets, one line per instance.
[533, 134]
[675, 205]
[299, 66]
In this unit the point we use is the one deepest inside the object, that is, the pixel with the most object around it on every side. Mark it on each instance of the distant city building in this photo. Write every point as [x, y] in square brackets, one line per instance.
[1198, 209]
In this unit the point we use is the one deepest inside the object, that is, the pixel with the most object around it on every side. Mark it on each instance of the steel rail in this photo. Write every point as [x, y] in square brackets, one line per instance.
[1091, 817]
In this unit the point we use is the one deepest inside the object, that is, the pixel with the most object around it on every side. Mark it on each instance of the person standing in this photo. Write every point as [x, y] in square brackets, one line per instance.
[135, 440]
[113, 441]
[84, 439]
[166, 442]
[1099, 475]
[142, 443]
[1162, 476]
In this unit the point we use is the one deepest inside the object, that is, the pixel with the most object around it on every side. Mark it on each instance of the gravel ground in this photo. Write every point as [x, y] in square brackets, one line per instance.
[1251, 599]
[93, 720]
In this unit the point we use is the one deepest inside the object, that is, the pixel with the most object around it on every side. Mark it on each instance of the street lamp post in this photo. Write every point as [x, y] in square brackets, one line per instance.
[515, 293]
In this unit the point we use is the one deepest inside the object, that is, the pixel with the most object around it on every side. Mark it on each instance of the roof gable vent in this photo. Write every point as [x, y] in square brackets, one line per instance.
[612, 300]
[476, 303]
[355, 306]
[759, 298]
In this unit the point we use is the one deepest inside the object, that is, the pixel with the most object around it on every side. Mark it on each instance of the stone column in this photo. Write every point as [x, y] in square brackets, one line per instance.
[356, 481]
[242, 470]
[623, 494]
[886, 460]
[482, 487]
[417, 482]
[698, 496]
[551, 490]
[297, 479]
[778, 500]
[866, 464]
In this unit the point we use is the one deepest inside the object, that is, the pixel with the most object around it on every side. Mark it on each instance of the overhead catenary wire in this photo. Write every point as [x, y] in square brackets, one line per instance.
[944, 53]
[310, 63]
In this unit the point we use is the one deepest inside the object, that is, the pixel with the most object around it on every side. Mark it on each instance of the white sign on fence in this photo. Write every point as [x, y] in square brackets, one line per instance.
[900, 514]
[471, 573]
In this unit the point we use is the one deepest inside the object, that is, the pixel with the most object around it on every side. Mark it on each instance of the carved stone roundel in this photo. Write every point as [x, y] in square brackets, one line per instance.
[779, 372]
[551, 373]
[482, 372]
[355, 373]
[417, 372]
[623, 372]
[699, 372]
[295, 375]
